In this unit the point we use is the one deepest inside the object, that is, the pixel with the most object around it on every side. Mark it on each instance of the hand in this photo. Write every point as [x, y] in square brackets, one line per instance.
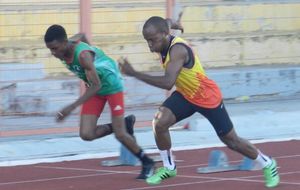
[125, 67]
[178, 22]
[79, 37]
[61, 115]
[176, 25]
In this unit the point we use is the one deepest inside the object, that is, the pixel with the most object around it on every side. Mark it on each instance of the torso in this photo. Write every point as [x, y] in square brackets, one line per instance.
[106, 68]
[192, 81]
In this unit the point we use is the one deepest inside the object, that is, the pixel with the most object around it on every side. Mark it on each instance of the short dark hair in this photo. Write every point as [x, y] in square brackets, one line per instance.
[158, 22]
[55, 32]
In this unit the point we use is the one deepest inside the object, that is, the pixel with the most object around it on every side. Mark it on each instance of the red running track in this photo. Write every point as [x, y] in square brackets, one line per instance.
[89, 175]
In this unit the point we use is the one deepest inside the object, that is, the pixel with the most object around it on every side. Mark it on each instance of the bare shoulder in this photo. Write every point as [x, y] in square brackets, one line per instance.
[179, 49]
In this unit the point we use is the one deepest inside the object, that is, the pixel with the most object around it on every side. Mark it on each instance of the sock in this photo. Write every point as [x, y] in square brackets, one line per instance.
[263, 160]
[143, 157]
[167, 159]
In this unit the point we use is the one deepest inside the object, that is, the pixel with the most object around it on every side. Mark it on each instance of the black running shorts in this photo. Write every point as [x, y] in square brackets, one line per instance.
[182, 109]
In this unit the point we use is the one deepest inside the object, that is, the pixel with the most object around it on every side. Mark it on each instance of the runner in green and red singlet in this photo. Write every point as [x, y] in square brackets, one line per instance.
[104, 84]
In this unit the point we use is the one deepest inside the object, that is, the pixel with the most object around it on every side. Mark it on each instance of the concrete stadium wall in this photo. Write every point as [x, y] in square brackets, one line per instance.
[45, 97]
[224, 34]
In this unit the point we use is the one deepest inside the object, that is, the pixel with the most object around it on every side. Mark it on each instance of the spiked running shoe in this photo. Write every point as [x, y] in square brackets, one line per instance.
[271, 175]
[161, 174]
[130, 121]
[147, 170]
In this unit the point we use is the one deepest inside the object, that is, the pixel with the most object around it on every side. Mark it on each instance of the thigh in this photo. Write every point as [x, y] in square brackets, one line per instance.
[116, 103]
[179, 106]
[90, 112]
[219, 119]
[93, 106]
[88, 124]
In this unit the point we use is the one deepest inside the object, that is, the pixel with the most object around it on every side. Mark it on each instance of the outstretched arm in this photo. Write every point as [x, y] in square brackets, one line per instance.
[178, 57]
[165, 82]
[86, 60]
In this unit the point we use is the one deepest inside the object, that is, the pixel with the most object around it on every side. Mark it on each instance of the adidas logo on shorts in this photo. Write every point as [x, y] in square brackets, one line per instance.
[117, 108]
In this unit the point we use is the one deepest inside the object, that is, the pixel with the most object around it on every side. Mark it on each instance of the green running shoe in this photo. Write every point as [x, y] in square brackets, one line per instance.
[161, 174]
[272, 178]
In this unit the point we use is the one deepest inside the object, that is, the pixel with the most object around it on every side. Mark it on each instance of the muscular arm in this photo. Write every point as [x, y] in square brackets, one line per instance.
[86, 60]
[178, 56]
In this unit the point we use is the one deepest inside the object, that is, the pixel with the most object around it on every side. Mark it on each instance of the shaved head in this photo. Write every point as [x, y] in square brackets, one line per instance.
[158, 23]
[156, 33]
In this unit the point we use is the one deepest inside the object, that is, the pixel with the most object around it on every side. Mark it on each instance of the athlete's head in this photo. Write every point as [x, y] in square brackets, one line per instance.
[156, 33]
[56, 40]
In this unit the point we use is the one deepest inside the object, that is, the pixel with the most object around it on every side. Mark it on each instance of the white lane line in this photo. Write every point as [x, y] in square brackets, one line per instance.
[84, 169]
[49, 179]
[215, 179]
[110, 154]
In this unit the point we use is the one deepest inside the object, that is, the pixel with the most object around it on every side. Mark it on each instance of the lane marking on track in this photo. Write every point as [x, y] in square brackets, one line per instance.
[113, 172]
[84, 169]
[215, 179]
[48, 179]
[114, 154]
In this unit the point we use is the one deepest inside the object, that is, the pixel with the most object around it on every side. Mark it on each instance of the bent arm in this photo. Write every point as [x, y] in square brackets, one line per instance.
[175, 24]
[86, 60]
[178, 57]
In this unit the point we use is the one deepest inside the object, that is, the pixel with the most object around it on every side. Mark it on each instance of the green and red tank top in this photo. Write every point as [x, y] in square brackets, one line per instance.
[106, 67]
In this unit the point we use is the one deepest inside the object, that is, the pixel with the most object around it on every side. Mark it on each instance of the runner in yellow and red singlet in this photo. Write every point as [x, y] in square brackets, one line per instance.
[195, 92]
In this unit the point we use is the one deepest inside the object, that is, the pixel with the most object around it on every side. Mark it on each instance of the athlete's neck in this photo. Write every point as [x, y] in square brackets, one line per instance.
[68, 57]
[168, 43]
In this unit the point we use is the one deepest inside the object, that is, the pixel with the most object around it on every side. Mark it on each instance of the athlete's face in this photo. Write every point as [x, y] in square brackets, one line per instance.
[57, 48]
[157, 41]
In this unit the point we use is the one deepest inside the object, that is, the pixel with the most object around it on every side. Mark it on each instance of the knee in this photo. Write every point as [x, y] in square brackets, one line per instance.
[160, 129]
[121, 137]
[160, 126]
[163, 119]
[87, 136]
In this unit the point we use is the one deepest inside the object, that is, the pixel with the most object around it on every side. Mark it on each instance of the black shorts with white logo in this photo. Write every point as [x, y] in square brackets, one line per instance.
[182, 109]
